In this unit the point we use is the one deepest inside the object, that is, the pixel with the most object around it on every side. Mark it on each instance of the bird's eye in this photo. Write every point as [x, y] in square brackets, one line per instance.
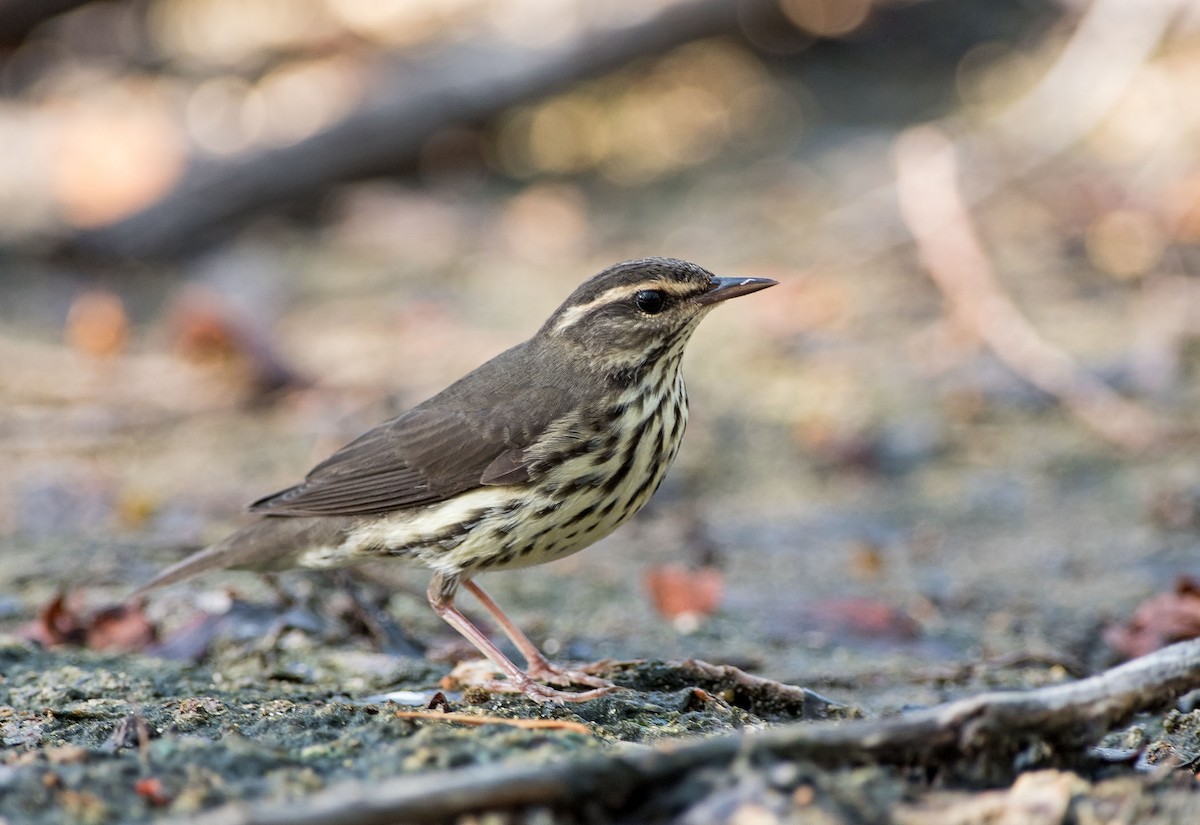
[650, 301]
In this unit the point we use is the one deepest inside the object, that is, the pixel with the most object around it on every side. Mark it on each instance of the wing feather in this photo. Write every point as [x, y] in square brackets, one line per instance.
[433, 452]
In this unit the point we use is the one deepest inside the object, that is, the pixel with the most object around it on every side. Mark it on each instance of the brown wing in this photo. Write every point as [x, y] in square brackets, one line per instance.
[442, 448]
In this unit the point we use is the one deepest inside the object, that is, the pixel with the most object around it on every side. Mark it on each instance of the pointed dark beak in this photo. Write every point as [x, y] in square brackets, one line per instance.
[724, 288]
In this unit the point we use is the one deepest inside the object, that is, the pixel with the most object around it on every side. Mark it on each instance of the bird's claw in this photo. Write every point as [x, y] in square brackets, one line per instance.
[543, 694]
[541, 670]
[480, 673]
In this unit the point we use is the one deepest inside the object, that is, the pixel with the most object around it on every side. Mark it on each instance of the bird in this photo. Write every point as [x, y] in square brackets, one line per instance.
[535, 455]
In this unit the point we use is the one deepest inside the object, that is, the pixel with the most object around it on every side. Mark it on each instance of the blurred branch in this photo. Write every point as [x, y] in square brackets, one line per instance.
[20, 17]
[933, 207]
[1111, 42]
[984, 732]
[463, 85]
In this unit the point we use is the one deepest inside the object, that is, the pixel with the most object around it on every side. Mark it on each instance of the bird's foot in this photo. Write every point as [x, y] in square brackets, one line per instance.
[542, 694]
[543, 671]
[481, 673]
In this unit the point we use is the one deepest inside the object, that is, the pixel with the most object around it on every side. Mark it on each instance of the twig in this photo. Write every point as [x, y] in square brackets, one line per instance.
[989, 729]
[932, 206]
[468, 719]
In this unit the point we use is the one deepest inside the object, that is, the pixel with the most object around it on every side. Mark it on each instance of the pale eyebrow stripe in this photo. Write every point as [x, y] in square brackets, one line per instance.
[618, 293]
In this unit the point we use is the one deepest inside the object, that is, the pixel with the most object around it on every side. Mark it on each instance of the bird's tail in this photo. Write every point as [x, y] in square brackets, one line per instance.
[271, 543]
[210, 558]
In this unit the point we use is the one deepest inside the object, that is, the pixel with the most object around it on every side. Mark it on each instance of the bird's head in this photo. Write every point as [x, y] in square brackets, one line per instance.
[638, 312]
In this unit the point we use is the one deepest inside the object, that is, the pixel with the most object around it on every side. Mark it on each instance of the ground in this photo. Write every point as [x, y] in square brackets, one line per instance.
[868, 504]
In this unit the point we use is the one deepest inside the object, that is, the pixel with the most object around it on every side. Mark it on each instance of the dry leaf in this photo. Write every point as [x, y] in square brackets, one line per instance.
[863, 617]
[151, 790]
[683, 595]
[1159, 621]
[123, 628]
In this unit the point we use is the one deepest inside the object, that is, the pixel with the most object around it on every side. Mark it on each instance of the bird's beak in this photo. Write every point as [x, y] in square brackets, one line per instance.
[723, 288]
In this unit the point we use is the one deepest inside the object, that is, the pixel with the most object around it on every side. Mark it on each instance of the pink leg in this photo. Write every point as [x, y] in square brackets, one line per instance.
[441, 599]
[539, 665]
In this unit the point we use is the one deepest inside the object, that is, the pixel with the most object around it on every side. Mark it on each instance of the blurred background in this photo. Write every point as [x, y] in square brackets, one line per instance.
[233, 235]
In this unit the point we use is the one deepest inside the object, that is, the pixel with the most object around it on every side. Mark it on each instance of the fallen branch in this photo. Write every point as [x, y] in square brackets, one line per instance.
[933, 208]
[989, 730]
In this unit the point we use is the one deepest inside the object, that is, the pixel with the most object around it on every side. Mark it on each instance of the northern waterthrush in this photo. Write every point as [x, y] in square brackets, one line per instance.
[535, 455]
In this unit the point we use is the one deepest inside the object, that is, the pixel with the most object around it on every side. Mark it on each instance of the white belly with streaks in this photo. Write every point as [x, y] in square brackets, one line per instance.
[496, 528]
